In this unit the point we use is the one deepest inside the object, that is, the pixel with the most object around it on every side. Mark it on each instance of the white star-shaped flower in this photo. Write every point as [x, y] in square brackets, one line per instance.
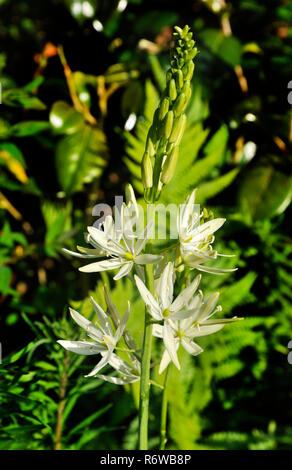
[120, 241]
[196, 240]
[104, 339]
[163, 307]
[184, 331]
[121, 255]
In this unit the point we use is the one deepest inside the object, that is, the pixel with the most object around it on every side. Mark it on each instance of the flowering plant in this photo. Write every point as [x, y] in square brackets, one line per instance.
[176, 319]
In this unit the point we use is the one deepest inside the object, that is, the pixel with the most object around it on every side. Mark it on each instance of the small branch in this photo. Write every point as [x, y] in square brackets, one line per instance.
[62, 401]
[145, 369]
[227, 31]
[163, 422]
[72, 90]
[104, 93]
[241, 78]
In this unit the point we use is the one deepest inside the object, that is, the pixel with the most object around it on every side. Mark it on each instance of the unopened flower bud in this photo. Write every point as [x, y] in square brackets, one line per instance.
[147, 177]
[182, 129]
[179, 123]
[178, 30]
[179, 79]
[163, 109]
[188, 70]
[167, 124]
[150, 147]
[169, 166]
[172, 90]
[179, 105]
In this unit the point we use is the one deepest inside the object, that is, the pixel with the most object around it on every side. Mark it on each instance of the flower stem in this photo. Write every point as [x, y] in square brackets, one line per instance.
[163, 420]
[145, 369]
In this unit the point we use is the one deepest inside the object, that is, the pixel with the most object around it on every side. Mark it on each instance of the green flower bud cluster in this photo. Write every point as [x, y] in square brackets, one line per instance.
[164, 136]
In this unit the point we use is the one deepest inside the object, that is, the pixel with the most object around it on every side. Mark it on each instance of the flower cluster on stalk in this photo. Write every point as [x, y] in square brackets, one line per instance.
[177, 320]
[121, 242]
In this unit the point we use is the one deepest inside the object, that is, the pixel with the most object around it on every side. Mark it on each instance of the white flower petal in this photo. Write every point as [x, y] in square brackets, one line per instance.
[182, 314]
[90, 251]
[149, 300]
[170, 344]
[204, 330]
[147, 259]
[166, 286]
[102, 363]
[102, 318]
[191, 347]
[102, 266]
[108, 226]
[216, 321]
[140, 270]
[208, 228]
[144, 237]
[122, 325]
[186, 211]
[77, 255]
[183, 298]
[165, 361]
[195, 302]
[120, 365]
[208, 306]
[82, 347]
[107, 244]
[124, 271]
[208, 269]
[98, 236]
[118, 380]
[157, 331]
[91, 330]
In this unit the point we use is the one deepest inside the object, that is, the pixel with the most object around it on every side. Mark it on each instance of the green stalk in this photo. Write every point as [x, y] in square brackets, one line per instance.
[163, 420]
[145, 369]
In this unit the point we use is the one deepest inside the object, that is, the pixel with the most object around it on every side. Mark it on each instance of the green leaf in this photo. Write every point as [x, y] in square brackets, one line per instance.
[27, 128]
[157, 70]
[45, 365]
[57, 219]
[64, 118]
[219, 139]
[14, 151]
[81, 158]
[228, 49]
[34, 84]
[132, 98]
[16, 356]
[211, 188]
[20, 98]
[5, 279]
[237, 293]
[265, 192]
[153, 21]
[87, 421]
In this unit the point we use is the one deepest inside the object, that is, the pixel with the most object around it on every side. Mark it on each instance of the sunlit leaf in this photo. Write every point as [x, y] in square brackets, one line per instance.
[81, 158]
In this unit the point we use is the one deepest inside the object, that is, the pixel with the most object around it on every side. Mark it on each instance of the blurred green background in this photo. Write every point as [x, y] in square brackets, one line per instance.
[80, 81]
